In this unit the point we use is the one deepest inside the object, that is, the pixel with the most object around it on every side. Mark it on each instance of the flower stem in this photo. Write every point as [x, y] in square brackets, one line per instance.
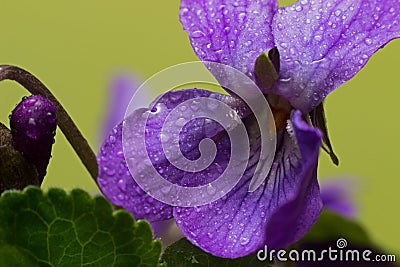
[66, 124]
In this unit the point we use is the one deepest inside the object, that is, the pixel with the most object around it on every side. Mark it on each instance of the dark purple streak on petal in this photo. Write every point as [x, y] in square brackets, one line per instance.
[324, 43]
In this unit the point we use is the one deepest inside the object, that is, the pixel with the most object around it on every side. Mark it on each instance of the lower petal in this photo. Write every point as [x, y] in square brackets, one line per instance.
[117, 176]
[241, 222]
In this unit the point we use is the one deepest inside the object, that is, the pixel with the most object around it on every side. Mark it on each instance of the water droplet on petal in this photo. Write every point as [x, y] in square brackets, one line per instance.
[32, 121]
[147, 210]
[368, 41]
[244, 241]
[211, 190]
[166, 189]
[197, 34]
[121, 196]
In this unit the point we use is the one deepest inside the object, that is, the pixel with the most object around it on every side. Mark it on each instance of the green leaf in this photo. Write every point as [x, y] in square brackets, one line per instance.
[183, 254]
[57, 229]
[267, 67]
[331, 226]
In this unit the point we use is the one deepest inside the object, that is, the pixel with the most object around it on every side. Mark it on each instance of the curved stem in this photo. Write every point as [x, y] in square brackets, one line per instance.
[66, 124]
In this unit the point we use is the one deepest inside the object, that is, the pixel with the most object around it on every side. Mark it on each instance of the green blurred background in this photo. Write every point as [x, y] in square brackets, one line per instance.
[75, 46]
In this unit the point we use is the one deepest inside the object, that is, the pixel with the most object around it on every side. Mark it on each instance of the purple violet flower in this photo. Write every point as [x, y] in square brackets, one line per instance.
[338, 196]
[322, 44]
[121, 89]
[33, 125]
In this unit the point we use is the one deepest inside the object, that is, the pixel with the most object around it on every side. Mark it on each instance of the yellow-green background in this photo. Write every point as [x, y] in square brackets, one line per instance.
[74, 46]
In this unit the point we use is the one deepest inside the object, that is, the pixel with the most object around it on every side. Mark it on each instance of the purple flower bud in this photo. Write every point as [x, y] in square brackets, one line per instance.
[33, 123]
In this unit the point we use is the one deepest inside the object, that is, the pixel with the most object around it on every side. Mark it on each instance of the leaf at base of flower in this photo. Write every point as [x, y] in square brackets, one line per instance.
[60, 229]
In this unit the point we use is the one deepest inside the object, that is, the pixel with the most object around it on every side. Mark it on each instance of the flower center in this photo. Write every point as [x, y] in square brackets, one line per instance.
[281, 110]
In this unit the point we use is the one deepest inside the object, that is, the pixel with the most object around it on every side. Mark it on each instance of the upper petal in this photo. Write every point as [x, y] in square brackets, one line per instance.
[232, 32]
[242, 222]
[324, 43]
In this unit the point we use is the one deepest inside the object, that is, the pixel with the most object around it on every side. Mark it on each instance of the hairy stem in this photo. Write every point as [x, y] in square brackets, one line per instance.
[66, 124]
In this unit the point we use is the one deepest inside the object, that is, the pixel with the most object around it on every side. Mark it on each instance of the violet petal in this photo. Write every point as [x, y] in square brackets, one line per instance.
[121, 90]
[116, 181]
[241, 222]
[120, 188]
[230, 32]
[337, 196]
[324, 43]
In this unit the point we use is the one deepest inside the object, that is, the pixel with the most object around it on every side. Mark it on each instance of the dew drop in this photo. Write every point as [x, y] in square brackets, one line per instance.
[166, 189]
[147, 210]
[32, 122]
[109, 171]
[244, 241]
[211, 190]
[248, 43]
[164, 137]
[197, 34]
[121, 196]
[122, 185]
[242, 17]
[368, 41]
[50, 117]
[317, 38]
[316, 96]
